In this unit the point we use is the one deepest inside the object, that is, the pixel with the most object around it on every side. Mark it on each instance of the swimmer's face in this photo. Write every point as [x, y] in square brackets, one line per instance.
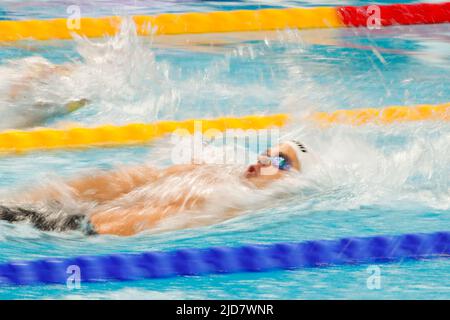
[273, 165]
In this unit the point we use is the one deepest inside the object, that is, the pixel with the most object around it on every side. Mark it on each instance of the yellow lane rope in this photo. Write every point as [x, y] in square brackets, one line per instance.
[174, 23]
[138, 133]
[384, 115]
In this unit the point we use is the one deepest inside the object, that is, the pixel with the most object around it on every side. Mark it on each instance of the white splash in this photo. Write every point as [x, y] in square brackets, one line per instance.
[114, 75]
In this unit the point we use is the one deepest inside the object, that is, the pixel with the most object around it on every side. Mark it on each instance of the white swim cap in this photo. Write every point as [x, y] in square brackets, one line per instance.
[305, 158]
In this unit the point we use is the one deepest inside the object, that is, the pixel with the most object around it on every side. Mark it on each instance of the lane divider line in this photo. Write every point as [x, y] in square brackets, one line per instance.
[227, 260]
[19, 141]
[229, 21]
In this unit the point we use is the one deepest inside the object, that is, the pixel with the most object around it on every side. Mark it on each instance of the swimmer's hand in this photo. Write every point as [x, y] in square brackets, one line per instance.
[75, 105]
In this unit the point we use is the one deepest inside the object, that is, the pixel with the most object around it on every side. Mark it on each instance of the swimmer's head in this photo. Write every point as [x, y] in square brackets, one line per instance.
[275, 162]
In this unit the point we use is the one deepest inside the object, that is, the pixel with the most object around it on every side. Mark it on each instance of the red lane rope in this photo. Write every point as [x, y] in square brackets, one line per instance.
[397, 14]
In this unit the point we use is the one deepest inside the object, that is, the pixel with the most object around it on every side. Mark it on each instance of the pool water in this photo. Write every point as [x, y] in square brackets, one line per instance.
[379, 179]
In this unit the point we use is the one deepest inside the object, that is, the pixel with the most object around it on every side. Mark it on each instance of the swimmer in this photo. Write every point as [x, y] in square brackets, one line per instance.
[34, 91]
[118, 205]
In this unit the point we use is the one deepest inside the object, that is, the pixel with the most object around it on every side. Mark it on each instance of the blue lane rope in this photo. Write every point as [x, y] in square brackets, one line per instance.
[217, 260]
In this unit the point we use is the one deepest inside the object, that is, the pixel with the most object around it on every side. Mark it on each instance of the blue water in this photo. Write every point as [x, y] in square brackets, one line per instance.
[384, 180]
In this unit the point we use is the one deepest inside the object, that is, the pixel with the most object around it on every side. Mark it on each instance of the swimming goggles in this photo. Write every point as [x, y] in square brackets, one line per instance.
[279, 162]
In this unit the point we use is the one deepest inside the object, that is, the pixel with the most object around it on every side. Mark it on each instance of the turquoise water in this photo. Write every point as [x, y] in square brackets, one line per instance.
[380, 180]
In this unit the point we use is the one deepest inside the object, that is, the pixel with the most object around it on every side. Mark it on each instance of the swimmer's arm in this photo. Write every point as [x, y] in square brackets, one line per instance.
[110, 185]
[44, 73]
[130, 221]
[106, 186]
[100, 187]
[17, 88]
[124, 221]
[139, 216]
[113, 184]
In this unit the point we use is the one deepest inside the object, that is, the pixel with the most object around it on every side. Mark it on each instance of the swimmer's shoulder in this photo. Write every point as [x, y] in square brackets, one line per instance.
[180, 168]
